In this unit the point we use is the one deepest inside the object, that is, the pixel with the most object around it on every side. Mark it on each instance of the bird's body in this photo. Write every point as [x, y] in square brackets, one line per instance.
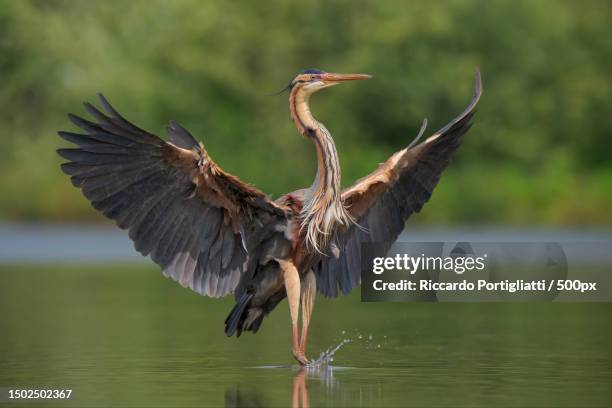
[213, 233]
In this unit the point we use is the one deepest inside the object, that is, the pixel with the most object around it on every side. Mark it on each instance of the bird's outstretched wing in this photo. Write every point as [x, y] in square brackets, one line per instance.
[203, 226]
[382, 201]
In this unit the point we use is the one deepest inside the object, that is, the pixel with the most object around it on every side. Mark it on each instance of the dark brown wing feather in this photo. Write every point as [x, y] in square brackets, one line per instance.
[202, 225]
[385, 199]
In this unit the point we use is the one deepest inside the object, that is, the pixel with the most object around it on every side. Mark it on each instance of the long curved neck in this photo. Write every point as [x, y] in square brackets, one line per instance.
[323, 207]
[328, 169]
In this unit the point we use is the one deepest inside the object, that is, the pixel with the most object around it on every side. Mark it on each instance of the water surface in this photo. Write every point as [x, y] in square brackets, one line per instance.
[41, 243]
[123, 335]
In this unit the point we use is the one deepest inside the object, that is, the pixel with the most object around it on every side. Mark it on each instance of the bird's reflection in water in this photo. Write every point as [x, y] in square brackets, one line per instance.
[325, 375]
[237, 398]
[300, 389]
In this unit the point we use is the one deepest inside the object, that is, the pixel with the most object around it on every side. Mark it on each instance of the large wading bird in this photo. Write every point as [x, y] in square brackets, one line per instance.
[217, 235]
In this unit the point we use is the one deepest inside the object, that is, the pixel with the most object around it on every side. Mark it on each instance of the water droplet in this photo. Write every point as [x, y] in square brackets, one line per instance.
[360, 336]
[378, 346]
[326, 356]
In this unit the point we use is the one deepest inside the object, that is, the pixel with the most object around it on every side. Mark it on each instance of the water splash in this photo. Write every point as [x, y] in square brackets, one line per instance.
[327, 356]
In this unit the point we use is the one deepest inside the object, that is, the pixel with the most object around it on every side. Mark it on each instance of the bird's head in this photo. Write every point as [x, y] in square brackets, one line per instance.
[312, 80]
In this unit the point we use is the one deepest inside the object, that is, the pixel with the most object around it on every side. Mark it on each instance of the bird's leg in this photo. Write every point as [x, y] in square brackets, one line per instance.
[292, 286]
[309, 288]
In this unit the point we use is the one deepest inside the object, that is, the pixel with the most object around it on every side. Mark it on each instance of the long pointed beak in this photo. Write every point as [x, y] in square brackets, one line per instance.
[336, 78]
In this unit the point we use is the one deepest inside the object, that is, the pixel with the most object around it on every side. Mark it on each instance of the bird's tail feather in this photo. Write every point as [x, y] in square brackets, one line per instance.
[236, 316]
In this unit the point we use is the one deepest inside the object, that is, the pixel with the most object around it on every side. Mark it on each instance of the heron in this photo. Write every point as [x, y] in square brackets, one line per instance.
[217, 235]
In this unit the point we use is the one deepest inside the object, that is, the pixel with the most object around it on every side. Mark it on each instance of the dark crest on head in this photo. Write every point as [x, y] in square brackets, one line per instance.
[313, 71]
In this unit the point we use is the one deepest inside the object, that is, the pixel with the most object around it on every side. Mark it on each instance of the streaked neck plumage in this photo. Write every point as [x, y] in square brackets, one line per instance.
[323, 209]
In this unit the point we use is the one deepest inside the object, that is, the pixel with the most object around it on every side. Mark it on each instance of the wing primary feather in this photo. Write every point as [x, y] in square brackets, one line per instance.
[416, 139]
[181, 137]
[126, 124]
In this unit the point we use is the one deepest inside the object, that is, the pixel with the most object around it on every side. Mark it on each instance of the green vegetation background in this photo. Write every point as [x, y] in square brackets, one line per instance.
[539, 152]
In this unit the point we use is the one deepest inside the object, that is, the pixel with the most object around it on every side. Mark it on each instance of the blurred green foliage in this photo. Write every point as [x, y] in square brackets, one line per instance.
[539, 151]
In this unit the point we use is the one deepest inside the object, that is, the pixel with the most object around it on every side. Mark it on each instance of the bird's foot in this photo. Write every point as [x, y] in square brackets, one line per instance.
[301, 358]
